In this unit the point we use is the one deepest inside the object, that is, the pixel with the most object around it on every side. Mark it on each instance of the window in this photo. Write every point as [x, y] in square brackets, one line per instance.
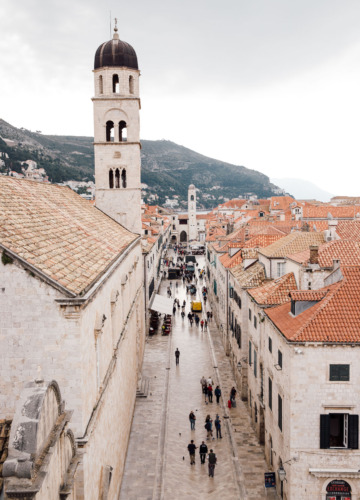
[111, 179]
[255, 363]
[270, 393]
[117, 178]
[101, 86]
[340, 373]
[249, 314]
[280, 359]
[123, 178]
[174, 227]
[122, 131]
[255, 321]
[280, 411]
[339, 430]
[280, 269]
[116, 85]
[238, 336]
[192, 197]
[270, 344]
[131, 84]
[109, 131]
[249, 353]
[231, 292]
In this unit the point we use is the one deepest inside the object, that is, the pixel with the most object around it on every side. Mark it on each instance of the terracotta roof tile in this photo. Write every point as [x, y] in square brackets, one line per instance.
[276, 292]
[51, 226]
[348, 230]
[334, 318]
[292, 243]
[262, 240]
[250, 277]
[233, 261]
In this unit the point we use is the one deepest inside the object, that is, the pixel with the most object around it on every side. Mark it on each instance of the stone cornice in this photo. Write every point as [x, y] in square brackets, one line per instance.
[338, 473]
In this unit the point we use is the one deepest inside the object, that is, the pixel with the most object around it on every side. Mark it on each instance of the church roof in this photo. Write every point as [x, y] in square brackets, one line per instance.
[59, 233]
[115, 53]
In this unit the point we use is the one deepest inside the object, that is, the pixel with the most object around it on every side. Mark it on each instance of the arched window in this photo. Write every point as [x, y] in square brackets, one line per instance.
[101, 85]
[122, 131]
[109, 131]
[111, 179]
[192, 197]
[116, 84]
[131, 84]
[117, 178]
[123, 178]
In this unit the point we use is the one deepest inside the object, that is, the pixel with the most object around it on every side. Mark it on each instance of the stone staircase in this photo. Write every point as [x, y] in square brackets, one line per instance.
[142, 390]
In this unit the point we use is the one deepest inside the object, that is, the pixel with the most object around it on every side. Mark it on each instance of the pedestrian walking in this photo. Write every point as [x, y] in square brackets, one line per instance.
[176, 285]
[205, 324]
[203, 449]
[210, 315]
[218, 426]
[174, 310]
[211, 463]
[232, 397]
[191, 449]
[203, 383]
[209, 381]
[177, 356]
[182, 314]
[202, 324]
[217, 393]
[192, 419]
[208, 427]
[210, 393]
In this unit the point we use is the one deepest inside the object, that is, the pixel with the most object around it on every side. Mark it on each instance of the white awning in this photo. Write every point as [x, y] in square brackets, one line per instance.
[162, 304]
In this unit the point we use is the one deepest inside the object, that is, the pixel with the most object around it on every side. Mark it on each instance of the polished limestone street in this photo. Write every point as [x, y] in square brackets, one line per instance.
[157, 464]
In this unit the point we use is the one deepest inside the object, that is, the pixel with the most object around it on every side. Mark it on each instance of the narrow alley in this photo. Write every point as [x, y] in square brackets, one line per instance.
[157, 465]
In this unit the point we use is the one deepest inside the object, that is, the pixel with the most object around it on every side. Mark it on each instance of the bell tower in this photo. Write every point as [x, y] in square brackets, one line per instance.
[192, 212]
[117, 132]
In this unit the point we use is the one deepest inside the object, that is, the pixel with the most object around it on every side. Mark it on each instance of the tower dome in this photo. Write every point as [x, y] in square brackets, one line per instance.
[115, 52]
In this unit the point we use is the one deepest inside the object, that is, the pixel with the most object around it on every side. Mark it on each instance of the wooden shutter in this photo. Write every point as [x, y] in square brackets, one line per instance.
[324, 431]
[353, 440]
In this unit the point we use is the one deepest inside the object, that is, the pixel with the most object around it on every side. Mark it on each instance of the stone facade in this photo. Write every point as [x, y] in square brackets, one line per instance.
[93, 346]
[117, 158]
[42, 457]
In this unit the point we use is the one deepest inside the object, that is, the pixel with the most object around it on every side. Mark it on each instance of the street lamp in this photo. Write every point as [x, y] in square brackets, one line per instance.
[282, 476]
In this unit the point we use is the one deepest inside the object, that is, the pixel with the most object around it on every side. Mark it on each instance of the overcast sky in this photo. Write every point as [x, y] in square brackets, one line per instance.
[273, 85]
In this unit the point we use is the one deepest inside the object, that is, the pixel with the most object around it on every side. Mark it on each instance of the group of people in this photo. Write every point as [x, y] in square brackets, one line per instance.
[207, 389]
[203, 449]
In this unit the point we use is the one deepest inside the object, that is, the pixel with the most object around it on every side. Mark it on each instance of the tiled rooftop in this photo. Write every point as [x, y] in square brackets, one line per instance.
[262, 240]
[335, 318]
[276, 292]
[59, 232]
[348, 230]
[292, 243]
[250, 277]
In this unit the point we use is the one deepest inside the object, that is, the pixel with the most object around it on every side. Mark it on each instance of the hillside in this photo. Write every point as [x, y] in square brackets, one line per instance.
[167, 168]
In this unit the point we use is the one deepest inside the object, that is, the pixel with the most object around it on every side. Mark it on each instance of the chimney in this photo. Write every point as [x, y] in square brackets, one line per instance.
[314, 254]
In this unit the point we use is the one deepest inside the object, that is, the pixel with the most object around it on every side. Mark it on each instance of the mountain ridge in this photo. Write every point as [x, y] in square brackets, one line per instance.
[167, 168]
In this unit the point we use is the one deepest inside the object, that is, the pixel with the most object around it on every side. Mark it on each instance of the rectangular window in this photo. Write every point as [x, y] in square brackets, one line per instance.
[280, 359]
[270, 344]
[231, 292]
[339, 430]
[339, 373]
[255, 321]
[270, 393]
[280, 411]
[249, 353]
[249, 314]
[280, 269]
[255, 363]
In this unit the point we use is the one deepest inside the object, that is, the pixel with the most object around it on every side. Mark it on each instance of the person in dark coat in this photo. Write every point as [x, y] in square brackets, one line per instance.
[217, 393]
[212, 462]
[177, 355]
[218, 426]
[203, 449]
[191, 449]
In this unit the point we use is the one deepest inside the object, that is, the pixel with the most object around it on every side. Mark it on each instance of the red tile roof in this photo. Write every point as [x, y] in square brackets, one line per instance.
[292, 243]
[276, 292]
[59, 232]
[233, 261]
[348, 230]
[335, 318]
[262, 240]
[322, 212]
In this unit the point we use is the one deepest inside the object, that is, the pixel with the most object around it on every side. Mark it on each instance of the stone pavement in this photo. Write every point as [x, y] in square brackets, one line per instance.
[157, 465]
